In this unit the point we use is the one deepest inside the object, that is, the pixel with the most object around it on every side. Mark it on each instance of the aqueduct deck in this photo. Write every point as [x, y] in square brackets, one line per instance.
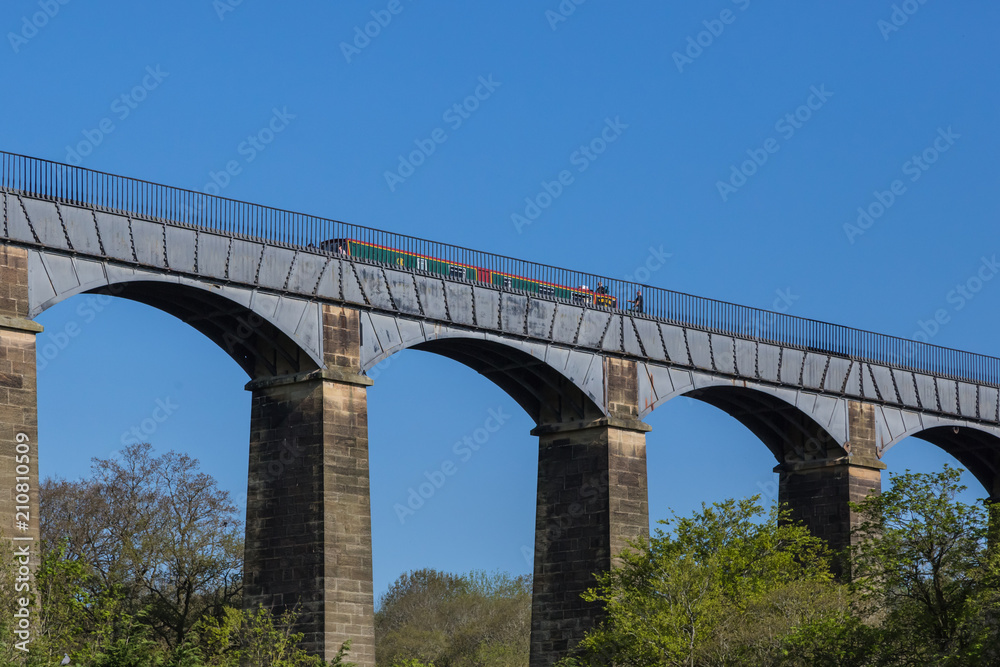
[306, 324]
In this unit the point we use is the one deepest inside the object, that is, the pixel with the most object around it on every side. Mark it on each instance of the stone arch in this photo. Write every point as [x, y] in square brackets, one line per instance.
[554, 385]
[268, 335]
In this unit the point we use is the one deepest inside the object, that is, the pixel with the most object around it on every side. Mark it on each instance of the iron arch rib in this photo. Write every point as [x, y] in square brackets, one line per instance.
[544, 393]
[974, 449]
[255, 344]
[789, 433]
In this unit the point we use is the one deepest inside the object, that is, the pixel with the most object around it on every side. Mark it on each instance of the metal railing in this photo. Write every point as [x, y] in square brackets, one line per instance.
[64, 183]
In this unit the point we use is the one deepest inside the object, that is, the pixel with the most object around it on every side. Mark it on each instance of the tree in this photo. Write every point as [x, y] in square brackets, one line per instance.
[925, 574]
[453, 621]
[158, 537]
[722, 587]
[258, 638]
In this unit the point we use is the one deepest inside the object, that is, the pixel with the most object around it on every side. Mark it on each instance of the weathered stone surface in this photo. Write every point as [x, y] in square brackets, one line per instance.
[18, 407]
[308, 536]
[592, 499]
[818, 492]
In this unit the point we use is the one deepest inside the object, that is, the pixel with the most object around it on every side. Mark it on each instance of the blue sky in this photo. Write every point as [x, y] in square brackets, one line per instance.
[830, 101]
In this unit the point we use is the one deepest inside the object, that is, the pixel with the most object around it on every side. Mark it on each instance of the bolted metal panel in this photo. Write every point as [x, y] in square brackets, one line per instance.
[411, 332]
[592, 328]
[403, 292]
[61, 272]
[354, 291]
[487, 304]
[147, 238]
[460, 305]
[385, 330]
[926, 391]
[305, 273]
[432, 298]
[884, 383]
[181, 248]
[854, 385]
[18, 227]
[630, 342]
[213, 255]
[722, 353]
[566, 323]
[40, 289]
[894, 422]
[514, 311]
[836, 374]
[90, 272]
[988, 408]
[791, 366]
[701, 349]
[289, 313]
[612, 341]
[812, 371]
[674, 340]
[947, 395]
[45, 220]
[243, 261]
[82, 229]
[968, 400]
[540, 317]
[328, 285]
[274, 267]
[115, 235]
[649, 336]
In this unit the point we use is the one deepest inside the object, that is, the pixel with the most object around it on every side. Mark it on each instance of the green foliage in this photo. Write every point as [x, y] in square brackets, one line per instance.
[924, 574]
[256, 638]
[721, 587]
[145, 537]
[428, 617]
[141, 567]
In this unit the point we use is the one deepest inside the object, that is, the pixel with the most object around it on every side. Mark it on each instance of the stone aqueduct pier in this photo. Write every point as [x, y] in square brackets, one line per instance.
[306, 324]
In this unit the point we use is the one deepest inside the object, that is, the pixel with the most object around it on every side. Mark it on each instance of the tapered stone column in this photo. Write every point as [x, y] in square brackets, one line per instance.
[19, 520]
[592, 499]
[308, 533]
[818, 493]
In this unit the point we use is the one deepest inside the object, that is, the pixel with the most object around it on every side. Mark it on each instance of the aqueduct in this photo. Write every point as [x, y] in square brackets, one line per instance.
[306, 323]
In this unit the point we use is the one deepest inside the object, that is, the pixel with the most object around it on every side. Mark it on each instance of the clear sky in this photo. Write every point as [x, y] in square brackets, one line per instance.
[886, 107]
